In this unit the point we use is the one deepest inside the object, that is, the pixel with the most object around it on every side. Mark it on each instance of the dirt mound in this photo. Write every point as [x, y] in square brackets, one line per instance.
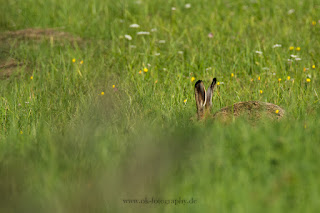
[40, 34]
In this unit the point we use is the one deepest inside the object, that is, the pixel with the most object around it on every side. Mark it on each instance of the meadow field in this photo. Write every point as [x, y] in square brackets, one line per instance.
[98, 112]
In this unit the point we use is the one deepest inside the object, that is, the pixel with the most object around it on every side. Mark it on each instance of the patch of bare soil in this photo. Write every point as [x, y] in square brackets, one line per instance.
[8, 67]
[40, 34]
[11, 39]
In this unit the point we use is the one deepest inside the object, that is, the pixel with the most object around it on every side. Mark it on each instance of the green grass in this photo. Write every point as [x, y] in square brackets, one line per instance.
[64, 147]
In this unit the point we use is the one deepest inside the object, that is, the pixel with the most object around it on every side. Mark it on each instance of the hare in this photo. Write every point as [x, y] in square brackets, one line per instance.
[253, 110]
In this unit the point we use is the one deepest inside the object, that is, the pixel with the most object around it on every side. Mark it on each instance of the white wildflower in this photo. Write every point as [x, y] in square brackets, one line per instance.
[134, 25]
[143, 33]
[209, 68]
[276, 45]
[162, 41]
[154, 30]
[157, 54]
[291, 11]
[293, 56]
[298, 59]
[128, 37]
[259, 52]
[180, 52]
[187, 6]
[173, 8]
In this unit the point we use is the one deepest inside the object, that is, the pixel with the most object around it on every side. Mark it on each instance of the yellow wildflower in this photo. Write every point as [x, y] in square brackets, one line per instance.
[185, 101]
[102, 93]
[298, 48]
[218, 83]
[288, 78]
[113, 86]
[279, 79]
[156, 81]
[259, 78]
[291, 48]
[261, 91]
[314, 23]
[192, 79]
[21, 132]
[304, 69]
[232, 75]
[145, 69]
[277, 111]
[81, 62]
[73, 60]
[308, 80]
[140, 72]
[313, 66]
[31, 77]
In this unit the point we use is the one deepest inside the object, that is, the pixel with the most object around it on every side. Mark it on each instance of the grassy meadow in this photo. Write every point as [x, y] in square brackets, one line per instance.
[97, 105]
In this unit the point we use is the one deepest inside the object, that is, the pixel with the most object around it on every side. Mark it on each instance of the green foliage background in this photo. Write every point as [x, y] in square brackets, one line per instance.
[64, 147]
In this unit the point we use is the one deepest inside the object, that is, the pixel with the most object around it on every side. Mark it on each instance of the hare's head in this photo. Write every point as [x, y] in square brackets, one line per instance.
[203, 97]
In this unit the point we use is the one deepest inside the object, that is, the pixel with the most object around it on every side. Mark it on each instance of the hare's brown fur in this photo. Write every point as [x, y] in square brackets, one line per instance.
[253, 110]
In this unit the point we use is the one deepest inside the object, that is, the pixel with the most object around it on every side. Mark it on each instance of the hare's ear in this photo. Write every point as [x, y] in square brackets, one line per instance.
[200, 95]
[210, 93]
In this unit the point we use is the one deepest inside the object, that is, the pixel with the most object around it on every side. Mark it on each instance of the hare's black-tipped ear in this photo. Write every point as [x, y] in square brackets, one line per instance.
[200, 95]
[210, 93]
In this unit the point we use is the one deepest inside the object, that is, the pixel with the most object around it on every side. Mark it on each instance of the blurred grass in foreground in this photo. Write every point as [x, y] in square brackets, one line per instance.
[233, 167]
